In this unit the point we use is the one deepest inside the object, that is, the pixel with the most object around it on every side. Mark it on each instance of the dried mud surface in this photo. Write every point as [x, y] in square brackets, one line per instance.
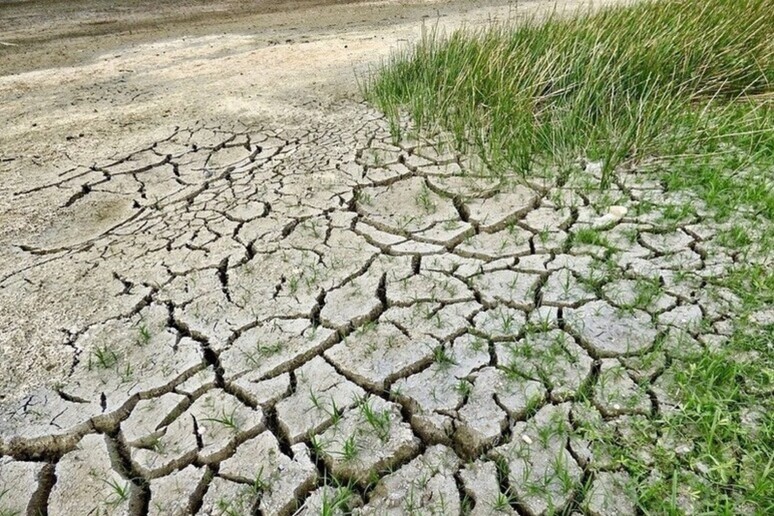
[225, 289]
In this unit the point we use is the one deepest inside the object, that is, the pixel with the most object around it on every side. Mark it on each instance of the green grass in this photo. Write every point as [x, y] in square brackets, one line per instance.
[682, 91]
[679, 86]
[103, 357]
[4, 511]
[729, 465]
[119, 492]
[227, 419]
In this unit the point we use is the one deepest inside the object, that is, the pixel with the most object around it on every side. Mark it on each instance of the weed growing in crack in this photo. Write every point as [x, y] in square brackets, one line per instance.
[315, 276]
[228, 507]
[544, 435]
[316, 403]
[464, 388]
[533, 405]
[514, 372]
[311, 226]
[349, 449]
[317, 446]
[562, 472]
[733, 176]
[466, 504]
[404, 221]
[478, 344]
[126, 373]
[630, 235]
[450, 225]
[259, 484]
[600, 274]
[442, 357]
[646, 292]
[736, 237]
[363, 197]
[677, 212]
[396, 392]
[591, 236]
[378, 158]
[411, 505]
[156, 443]
[119, 492]
[501, 503]
[436, 320]
[335, 413]
[379, 421]
[449, 287]
[268, 349]
[4, 511]
[425, 201]
[293, 284]
[365, 328]
[507, 322]
[338, 503]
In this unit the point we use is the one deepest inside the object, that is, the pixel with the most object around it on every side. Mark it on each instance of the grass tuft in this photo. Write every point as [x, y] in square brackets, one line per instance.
[683, 86]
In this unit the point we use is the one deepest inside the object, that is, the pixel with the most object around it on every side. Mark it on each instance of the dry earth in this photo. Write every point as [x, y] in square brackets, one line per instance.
[223, 286]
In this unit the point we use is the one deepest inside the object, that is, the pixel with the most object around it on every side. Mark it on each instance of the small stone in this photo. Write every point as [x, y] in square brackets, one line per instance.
[618, 212]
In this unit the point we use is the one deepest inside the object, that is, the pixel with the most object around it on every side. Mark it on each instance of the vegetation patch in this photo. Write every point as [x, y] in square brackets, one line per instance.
[679, 86]
[680, 92]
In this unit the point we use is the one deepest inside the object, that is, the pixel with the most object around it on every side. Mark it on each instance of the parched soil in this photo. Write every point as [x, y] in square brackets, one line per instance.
[224, 287]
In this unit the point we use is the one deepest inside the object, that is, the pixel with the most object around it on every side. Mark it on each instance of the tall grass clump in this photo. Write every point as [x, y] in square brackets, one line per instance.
[657, 78]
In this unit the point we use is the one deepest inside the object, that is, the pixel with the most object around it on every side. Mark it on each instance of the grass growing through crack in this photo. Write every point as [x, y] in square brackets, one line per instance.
[119, 492]
[350, 449]
[501, 503]
[379, 420]
[143, 335]
[724, 428]
[338, 503]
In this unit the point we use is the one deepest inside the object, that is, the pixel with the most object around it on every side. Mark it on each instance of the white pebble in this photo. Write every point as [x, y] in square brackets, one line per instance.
[618, 212]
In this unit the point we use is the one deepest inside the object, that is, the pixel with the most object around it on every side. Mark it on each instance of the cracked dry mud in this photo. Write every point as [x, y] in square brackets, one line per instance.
[402, 323]
[308, 316]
